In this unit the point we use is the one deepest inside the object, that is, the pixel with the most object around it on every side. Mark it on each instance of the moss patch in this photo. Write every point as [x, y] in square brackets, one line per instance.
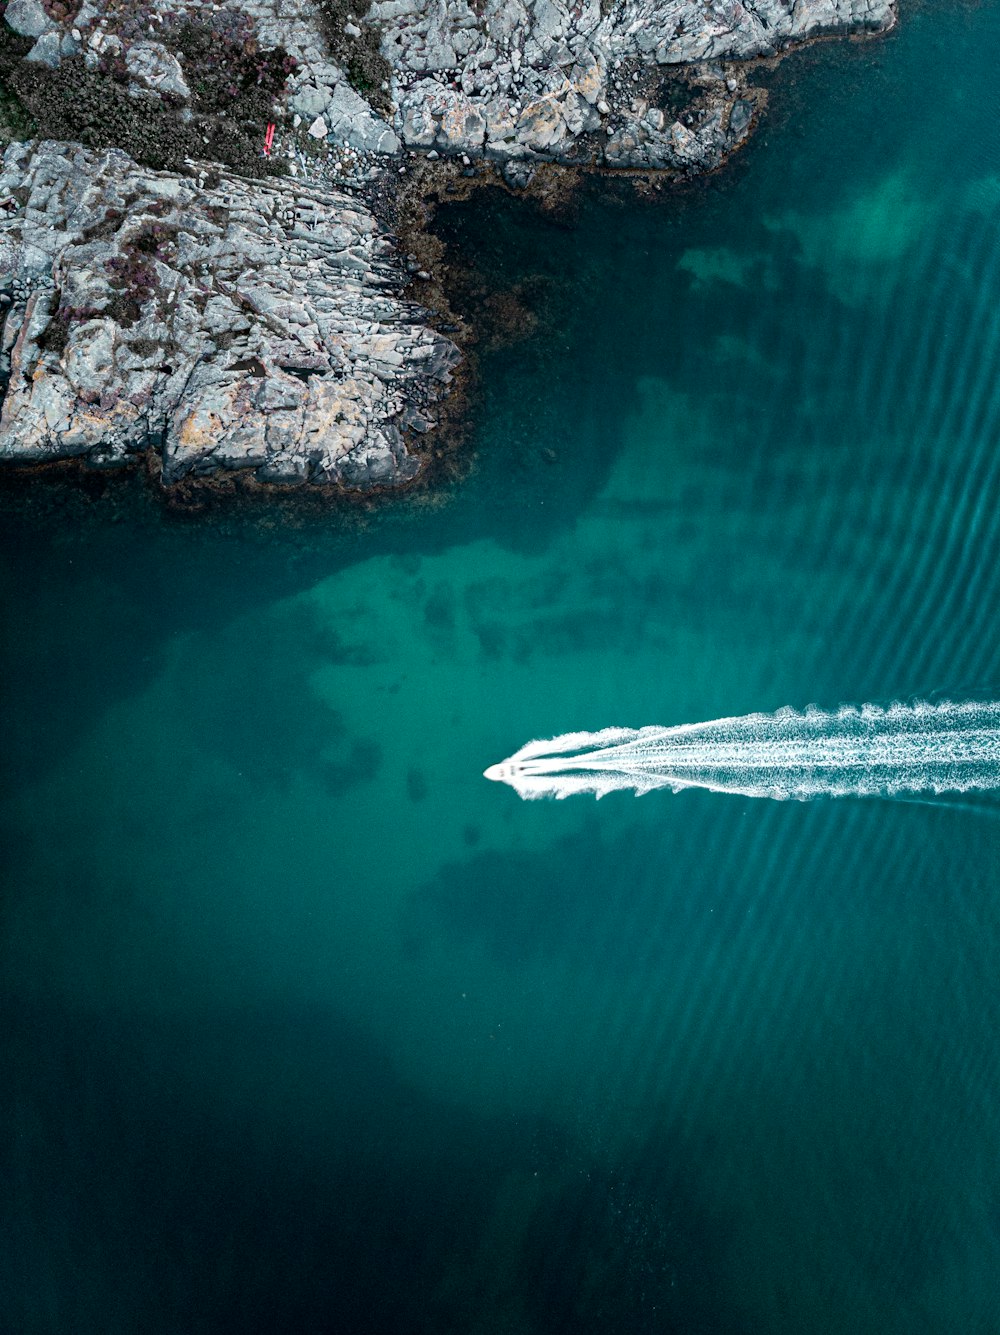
[227, 70]
[133, 273]
[15, 122]
[55, 335]
[359, 57]
[233, 80]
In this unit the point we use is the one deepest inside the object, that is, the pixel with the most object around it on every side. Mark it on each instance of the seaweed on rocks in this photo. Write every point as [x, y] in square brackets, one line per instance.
[677, 93]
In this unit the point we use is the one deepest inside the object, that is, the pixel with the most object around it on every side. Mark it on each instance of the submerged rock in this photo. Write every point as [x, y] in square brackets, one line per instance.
[242, 325]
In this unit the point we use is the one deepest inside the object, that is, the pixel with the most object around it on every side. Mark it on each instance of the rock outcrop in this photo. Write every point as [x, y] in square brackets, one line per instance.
[575, 81]
[237, 325]
[248, 325]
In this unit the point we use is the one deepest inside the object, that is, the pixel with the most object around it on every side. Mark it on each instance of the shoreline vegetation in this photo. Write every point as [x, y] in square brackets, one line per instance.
[247, 324]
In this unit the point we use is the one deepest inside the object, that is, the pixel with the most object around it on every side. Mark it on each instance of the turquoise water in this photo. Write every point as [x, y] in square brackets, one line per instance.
[307, 1027]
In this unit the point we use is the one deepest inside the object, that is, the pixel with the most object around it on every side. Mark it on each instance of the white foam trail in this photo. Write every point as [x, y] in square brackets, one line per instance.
[850, 752]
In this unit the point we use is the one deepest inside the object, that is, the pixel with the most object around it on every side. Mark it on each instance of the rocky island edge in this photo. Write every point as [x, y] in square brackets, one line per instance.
[172, 292]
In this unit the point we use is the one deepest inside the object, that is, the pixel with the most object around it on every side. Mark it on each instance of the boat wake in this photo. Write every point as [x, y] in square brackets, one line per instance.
[850, 752]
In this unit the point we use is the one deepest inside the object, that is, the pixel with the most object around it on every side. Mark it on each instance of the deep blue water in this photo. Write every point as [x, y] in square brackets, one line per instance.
[307, 1027]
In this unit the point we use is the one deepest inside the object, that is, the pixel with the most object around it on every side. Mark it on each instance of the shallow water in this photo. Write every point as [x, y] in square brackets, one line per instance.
[308, 1027]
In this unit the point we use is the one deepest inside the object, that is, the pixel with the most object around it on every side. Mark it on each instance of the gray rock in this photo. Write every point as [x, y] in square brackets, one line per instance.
[557, 55]
[352, 120]
[309, 101]
[533, 79]
[518, 174]
[28, 17]
[152, 66]
[205, 305]
[740, 116]
[89, 358]
[88, 13]
[193, 338]
[47, 51]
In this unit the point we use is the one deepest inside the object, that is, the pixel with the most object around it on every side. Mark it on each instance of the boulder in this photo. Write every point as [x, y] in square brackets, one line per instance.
[152, 65]
[352, 120]
[28, 17]
[309, 101]
[88, 360]
[47, 51]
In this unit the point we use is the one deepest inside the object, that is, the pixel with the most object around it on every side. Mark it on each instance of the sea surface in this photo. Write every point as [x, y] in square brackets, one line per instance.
[306, 1027]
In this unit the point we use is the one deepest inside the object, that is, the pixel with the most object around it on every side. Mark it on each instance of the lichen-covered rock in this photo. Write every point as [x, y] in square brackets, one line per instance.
[244, 326]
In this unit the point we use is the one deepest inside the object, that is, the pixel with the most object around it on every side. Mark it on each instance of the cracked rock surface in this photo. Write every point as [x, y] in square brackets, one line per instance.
[542, 80]
[554, 79]
[239, 324]
[242, 325]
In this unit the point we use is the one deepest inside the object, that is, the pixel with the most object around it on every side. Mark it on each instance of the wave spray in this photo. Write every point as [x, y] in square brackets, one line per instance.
[850, 752]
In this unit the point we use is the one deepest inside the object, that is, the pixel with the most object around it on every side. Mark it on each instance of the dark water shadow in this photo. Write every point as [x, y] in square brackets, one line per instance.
[631, 1248]
[267, 1170]
[699, 867]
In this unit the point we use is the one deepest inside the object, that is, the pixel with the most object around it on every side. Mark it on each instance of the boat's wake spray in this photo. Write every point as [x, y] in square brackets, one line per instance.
[850, 752]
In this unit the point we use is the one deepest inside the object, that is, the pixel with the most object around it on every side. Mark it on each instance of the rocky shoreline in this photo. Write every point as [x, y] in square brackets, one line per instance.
[229, 326]
[242, 325]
